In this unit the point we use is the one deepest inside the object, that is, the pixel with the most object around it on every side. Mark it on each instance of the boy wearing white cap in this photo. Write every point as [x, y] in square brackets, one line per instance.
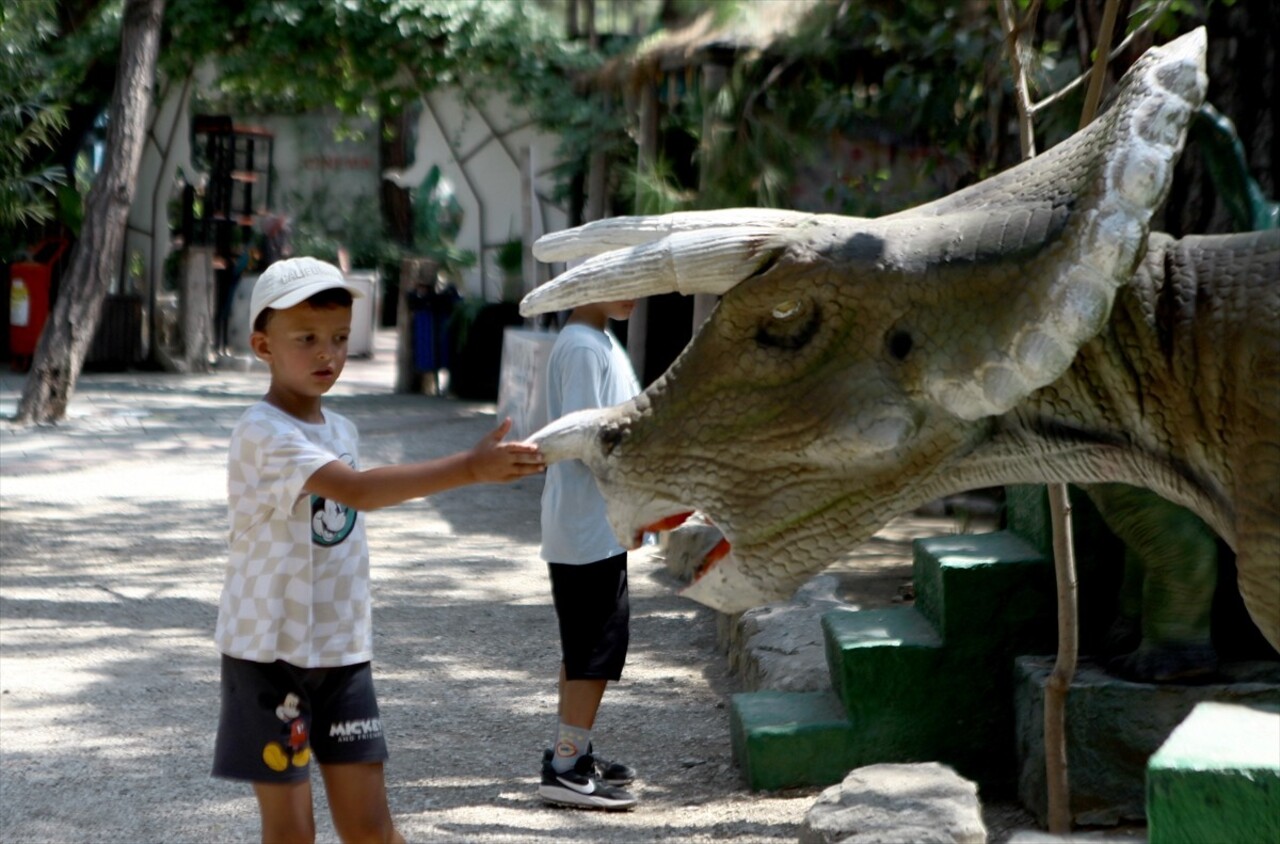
[294, 621]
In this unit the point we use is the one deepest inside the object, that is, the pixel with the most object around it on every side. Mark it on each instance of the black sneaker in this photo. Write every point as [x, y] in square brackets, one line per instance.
[581, 788]
[612, 772]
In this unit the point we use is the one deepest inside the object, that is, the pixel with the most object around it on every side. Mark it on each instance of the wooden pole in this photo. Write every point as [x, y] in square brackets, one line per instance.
[1100, 55]
[1058, 686]
[1057, 773]
[528, 267]
[638, 324]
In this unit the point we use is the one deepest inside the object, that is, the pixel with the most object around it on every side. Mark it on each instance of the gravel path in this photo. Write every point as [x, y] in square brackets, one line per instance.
[112, 528]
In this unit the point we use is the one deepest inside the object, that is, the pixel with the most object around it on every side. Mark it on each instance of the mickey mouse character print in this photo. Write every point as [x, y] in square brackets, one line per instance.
[331, 521]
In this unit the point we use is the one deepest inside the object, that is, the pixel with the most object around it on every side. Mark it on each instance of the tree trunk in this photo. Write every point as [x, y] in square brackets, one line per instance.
[96, 257]
[393, 154]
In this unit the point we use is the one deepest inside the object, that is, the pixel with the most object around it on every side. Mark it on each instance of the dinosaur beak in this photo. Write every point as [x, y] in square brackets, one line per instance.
[574, 436]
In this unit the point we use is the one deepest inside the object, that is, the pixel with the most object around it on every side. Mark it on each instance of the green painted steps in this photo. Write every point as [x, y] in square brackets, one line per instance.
[1217, 778]
[932, 682]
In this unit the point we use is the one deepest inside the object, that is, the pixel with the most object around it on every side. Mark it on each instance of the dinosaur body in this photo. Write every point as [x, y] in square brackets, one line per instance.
[1027, 329]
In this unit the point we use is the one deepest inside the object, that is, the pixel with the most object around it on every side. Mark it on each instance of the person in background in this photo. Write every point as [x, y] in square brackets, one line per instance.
[587, 368]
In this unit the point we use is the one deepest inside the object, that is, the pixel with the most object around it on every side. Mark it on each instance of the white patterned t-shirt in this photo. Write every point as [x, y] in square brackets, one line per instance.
[297, 582]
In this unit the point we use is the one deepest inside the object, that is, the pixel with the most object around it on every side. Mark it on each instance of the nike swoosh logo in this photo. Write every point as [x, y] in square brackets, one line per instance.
[589, 788]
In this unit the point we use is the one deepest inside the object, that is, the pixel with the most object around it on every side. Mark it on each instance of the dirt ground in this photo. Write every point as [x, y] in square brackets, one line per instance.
[112, 530]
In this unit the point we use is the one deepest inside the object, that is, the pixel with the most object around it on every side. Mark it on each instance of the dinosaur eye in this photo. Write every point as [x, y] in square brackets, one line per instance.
[790, 325]
[786, 310]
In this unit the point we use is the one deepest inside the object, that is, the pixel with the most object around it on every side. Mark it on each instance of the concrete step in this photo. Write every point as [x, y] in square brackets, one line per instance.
[985, 592]
[863, 646]
[1217, 778]
[1113, 728]
[787, 739]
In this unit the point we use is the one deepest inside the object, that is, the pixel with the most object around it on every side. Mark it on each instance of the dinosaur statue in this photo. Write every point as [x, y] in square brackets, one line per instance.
[1162, 631]
[1027, 329]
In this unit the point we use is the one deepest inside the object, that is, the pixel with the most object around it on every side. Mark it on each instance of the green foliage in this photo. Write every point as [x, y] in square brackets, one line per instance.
[914, 70]
[361, 56]
[30, 118]
[510, 257]
[42, 75]
[437, 219]
[1170, 15]
[374, 58]
[931, 73]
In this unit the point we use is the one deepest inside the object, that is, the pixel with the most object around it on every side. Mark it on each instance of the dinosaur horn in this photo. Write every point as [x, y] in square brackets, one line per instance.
[705, 260]
[619, 232]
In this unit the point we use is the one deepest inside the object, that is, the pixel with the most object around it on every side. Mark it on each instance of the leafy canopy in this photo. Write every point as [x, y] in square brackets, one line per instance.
[365, 56]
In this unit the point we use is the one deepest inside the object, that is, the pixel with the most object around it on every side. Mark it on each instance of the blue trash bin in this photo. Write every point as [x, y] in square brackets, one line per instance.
[430, 351]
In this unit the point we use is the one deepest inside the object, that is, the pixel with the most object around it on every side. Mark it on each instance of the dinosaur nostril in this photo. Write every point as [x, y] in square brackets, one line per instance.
[610, 437]
[900, 344]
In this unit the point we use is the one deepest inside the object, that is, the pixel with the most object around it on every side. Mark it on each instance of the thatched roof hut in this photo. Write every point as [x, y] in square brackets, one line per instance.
[717, 37]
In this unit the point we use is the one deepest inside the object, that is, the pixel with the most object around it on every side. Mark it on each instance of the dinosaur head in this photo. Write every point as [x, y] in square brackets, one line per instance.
[850, 362]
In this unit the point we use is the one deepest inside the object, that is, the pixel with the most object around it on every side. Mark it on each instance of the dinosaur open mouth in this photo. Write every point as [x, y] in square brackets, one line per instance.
[665, 523]
[717, 553]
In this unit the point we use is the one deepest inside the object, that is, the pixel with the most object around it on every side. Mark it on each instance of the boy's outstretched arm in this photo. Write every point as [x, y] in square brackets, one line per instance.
[487, 461]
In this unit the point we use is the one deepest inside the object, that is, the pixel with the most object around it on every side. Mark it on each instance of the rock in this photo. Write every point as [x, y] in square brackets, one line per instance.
[1038, 837]
[780, 646]
[923, 803]
[685, 547]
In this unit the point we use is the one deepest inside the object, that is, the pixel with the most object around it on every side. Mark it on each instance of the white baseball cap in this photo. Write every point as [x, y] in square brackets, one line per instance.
[294, 280]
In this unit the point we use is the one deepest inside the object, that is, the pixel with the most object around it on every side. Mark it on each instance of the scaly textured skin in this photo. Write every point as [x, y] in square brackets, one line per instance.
[1162, 632]
[1027, 329]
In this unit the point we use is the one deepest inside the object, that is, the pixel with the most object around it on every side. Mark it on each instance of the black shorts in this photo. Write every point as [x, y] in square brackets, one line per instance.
[594, 611]
[276, 715]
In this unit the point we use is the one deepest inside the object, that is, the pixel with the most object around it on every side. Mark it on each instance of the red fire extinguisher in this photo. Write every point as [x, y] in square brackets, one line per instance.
[30, 286]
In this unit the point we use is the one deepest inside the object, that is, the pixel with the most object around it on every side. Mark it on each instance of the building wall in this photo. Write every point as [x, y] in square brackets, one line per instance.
[477, 143]
[318, 170]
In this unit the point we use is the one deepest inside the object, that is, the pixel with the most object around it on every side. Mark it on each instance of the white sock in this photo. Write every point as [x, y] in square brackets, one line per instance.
[571, 743]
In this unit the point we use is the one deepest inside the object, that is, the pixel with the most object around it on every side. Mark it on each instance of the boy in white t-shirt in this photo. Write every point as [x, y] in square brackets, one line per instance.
[587, 566]
[294, 621]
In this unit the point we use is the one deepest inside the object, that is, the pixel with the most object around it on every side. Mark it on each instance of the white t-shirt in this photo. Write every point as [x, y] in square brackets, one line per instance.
[297, 583]
[587, 368]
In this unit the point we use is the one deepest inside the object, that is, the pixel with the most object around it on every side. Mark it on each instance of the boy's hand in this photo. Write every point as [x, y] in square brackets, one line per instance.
[493, 460]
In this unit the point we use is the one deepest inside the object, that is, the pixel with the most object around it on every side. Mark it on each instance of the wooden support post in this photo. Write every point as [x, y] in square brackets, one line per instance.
[528, 227]
[638, 325]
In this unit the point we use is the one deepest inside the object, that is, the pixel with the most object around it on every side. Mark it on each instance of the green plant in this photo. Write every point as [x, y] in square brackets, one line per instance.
[510, 257]
[313, 241]
[437, 219]
[30, 119]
